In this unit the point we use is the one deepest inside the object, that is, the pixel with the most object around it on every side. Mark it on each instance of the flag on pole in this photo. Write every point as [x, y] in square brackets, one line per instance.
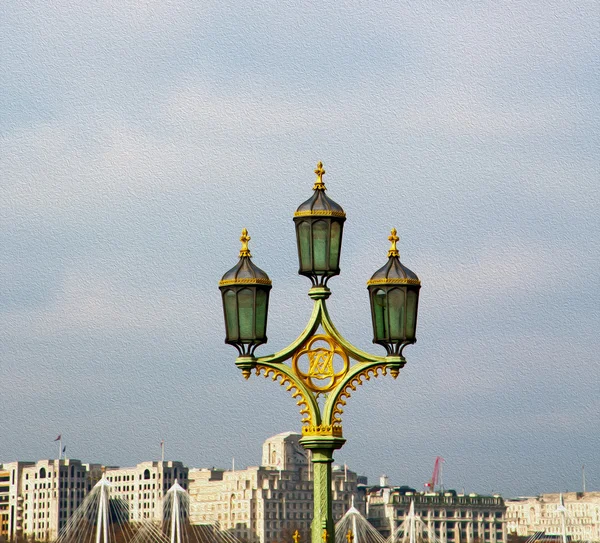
[64, 449]
[59, 439]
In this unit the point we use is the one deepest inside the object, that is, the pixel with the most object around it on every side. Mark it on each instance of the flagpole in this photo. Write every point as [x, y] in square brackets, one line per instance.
[162, 450]
[60, 448]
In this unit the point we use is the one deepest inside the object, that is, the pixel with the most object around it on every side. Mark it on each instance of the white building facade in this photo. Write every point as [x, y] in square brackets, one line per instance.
[144, 486]
[267, 503]
[542, 514]
[5, 485]
[450, 517]
[43, 495]
[38, 498]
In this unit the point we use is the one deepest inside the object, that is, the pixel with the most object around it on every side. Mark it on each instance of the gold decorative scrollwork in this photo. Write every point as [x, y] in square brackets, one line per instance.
[321, 375]
[321, 212]
[394, 281]
[291, 387]
[367, 373]
[323, 430]
[245, 281]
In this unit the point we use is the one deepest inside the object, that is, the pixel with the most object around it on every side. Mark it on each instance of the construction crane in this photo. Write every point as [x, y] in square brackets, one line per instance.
[436, 477]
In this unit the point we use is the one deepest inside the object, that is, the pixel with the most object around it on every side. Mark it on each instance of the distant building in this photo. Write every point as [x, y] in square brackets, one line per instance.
[37, 498]
[527, 516]
[11, 509]
[267, 503]
[4, 502]
[451, 517]
[144, 486]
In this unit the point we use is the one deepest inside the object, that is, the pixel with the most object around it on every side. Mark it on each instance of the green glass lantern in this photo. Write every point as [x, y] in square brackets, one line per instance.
[245, 292]
[394, 294]
[319, 225]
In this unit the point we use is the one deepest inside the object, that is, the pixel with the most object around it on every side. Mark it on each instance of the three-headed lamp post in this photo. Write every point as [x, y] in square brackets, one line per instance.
[318, 363]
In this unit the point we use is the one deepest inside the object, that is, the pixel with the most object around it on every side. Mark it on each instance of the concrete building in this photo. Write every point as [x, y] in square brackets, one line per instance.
[37, 498]
[144, 486]
[267, 503]
[542, 514]
[452, 517]
[12, 500]
[4, 502]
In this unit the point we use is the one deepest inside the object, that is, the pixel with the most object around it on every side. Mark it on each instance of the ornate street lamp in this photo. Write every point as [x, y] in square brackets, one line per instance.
[320, 363]
[319, 224]
[245, 291]
[394, 293]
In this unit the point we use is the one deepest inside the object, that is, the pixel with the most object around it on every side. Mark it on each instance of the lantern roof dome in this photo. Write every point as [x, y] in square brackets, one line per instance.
[319, 203]
[245, 271]
[394, 272]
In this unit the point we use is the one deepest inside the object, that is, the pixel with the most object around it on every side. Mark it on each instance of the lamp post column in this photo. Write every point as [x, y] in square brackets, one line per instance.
[321, 448]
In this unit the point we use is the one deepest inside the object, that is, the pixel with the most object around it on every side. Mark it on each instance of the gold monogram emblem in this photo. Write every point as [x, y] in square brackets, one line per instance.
[321, 363]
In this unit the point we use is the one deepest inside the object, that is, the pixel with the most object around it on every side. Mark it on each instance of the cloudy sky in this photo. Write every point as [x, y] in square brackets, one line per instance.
[138, 137]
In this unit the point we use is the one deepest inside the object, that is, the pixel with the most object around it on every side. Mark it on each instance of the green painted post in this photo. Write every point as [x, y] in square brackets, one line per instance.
[321, 448]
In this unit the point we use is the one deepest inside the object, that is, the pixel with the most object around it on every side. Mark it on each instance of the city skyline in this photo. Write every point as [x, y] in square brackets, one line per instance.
[257, 502]
[372, 482]
[140, 138]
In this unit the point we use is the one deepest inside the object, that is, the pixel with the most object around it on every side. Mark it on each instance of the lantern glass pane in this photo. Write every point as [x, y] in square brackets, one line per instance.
[334, 245]
[411, 314]
[304, 241]
[380, 315]
[229, 302]
[261, 313]
[246, 314]
[320, 232]
[396, 308]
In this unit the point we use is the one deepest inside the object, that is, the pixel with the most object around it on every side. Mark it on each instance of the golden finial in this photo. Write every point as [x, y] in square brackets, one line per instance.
[349, 536]
[393, 238]
[245, 239]
[296, 536]
[325, 535]
[319, 185]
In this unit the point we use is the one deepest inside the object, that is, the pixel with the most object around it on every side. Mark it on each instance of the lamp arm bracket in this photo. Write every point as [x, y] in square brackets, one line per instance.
[336, 399]
[352, 351]
[273, 366]
[366, 366]
[287, 352]
[284, 375]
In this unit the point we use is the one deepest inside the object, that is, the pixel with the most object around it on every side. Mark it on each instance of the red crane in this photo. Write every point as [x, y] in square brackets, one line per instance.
[436, 477]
